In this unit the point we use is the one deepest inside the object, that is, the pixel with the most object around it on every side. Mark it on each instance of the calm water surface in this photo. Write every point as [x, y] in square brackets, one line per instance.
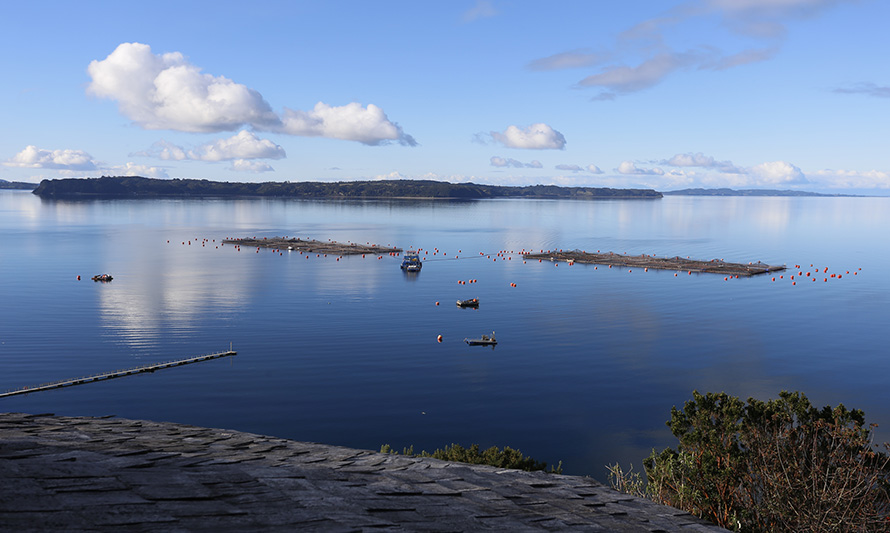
[344, 352]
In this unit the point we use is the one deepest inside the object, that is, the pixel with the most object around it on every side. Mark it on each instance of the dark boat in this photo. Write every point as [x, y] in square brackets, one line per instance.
[411, 262]
[102, 277]
[484, 341]
[472, 302]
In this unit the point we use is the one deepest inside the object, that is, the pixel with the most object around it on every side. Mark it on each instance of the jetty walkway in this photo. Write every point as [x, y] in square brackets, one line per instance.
[115, 374]
[110, 474]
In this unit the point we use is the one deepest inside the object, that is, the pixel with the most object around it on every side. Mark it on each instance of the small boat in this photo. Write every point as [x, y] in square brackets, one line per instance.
[484, 341]
[411, 262]
[102, 277]
[472, 302]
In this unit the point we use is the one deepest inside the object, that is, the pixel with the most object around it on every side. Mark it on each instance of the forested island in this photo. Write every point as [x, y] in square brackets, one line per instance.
[20, 185]
[139, 187]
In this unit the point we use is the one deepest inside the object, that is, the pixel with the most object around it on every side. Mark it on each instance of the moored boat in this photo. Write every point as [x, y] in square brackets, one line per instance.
[411, 262]
[472, 302]
[102, 277]
[485, 340]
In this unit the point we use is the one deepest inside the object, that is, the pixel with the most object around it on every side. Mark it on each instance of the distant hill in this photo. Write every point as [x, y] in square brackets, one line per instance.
[745, 192]
[139, 187]
[16, 185]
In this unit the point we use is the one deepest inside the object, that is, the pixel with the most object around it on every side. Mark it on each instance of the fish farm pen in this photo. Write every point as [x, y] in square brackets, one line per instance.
[312, 246]
[714, 266]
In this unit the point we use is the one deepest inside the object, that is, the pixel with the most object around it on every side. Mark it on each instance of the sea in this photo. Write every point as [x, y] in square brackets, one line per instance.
[346, 351]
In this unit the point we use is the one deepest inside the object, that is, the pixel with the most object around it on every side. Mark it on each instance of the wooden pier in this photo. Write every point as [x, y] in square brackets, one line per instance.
[714, 266]
[313, 246]
[116, 374]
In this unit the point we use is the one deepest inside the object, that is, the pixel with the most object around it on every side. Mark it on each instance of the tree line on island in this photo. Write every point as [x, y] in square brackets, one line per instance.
[139, 187]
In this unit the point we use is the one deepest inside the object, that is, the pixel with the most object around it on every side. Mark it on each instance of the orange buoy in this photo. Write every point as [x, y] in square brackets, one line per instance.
[439, 338]
[78, 278]
[437, 303]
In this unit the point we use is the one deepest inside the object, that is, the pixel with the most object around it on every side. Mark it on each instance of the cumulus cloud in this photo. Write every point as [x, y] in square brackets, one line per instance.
[593, 169]
[351, 122]
[244, 145]
[497, 161]
[33, 157]
[167, 92]
[701, 160]
[866, 88]
[851, 179]
[165, 150]
[535, 137]
[777, 173]
[629, 167]
[243, 165]
[132, 169]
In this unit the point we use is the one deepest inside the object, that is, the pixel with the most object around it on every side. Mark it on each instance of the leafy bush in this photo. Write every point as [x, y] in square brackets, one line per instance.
[780, 465]
[506, 458]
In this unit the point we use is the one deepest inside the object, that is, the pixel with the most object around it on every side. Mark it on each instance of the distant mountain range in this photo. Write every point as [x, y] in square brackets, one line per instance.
[139, 187]
[745, 192]
[16, 185]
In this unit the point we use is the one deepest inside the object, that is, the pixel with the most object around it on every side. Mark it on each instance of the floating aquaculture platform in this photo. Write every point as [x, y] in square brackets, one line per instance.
[714, 266]
[116, 374]
[313, 246]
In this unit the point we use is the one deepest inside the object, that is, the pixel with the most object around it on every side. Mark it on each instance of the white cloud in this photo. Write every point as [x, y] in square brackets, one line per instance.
[535, 137]
[776, 173]
[243, 145]
[593, 169]
[167, 92]
[624, 79]
[243, 165]
[643, 56]
[33, 157]
[851, 179]
[628, 167]
[351, 122]
[704, 161]
[497, 161]
[164, 150]
[132, 169]
[569, 168]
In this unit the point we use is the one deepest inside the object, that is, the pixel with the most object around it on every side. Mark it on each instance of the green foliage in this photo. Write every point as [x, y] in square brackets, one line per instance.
[780, 465]
[506, 458]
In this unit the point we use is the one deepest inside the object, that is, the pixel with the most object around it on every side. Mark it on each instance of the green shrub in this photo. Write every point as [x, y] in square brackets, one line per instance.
[506, 458]
[780, 465]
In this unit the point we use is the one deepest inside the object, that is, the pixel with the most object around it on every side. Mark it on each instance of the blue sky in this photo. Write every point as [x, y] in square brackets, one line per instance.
[781, 94]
